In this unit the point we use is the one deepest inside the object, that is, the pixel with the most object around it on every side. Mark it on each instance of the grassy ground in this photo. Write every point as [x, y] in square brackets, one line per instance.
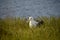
[17, 29]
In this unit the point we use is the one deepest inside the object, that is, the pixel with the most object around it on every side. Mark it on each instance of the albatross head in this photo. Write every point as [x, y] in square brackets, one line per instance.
[30, 18]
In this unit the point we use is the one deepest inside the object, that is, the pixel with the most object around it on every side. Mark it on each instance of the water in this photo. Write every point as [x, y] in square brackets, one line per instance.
[29, 8]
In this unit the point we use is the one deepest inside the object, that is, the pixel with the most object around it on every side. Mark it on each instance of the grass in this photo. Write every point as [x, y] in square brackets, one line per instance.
[18, 29]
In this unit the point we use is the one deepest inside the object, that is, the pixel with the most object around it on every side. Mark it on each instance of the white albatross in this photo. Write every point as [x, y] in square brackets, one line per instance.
[33, 23]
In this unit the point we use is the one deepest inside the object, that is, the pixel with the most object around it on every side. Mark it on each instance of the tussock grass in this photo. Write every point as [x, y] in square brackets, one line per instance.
[18, 29]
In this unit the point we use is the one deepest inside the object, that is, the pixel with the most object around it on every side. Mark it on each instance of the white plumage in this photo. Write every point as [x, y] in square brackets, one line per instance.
[32, 22]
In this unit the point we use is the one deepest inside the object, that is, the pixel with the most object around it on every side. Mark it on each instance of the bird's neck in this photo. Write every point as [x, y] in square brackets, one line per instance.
[30, 24]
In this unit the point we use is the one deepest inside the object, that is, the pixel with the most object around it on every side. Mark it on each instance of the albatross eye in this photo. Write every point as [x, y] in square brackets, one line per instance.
[30, 18]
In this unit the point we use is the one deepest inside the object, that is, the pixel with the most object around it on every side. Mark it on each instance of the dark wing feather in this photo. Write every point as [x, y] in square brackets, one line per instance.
[40, 22]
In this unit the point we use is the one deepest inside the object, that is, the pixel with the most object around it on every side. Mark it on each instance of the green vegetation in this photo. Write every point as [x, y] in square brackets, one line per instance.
[18, 29]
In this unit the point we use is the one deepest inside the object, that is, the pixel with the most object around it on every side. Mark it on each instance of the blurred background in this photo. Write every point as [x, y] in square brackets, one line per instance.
[27, 8]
